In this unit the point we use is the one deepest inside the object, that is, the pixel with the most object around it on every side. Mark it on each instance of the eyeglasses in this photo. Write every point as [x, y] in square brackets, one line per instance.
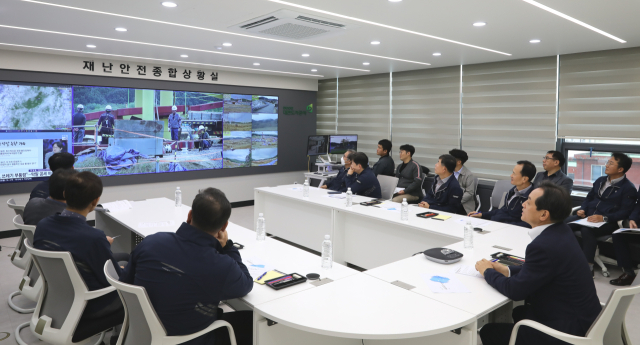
[548, 158]
[610, 163]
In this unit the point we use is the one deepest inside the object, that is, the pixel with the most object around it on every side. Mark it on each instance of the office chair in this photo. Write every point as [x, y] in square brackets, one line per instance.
[22, 259]
[18, 209]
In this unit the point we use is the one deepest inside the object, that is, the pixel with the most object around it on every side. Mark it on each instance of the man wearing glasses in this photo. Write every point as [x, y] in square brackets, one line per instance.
[552, 163]
[611, 199]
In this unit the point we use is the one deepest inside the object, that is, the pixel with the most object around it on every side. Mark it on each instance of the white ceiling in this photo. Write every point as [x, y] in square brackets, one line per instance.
[510, 26]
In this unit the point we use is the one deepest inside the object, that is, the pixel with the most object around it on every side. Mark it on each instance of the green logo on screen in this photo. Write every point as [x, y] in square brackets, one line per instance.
[310, 108]
[299, 112]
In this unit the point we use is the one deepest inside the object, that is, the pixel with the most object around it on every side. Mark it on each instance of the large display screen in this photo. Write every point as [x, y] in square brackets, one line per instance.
[122, 131]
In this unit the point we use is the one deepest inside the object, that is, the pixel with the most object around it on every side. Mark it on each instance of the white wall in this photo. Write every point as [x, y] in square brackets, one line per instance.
[236, 188]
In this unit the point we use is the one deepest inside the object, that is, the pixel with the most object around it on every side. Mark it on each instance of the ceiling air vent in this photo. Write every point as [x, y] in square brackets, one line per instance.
[291, 25]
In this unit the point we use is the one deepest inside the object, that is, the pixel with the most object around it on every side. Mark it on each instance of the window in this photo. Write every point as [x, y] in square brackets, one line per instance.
[597, 171]
[572, 176]
[586, 166]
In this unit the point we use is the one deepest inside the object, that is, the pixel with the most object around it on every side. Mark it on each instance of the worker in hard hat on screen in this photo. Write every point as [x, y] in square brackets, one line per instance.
[79, 119]
[106, 122]
[175, 123]
[204, 136]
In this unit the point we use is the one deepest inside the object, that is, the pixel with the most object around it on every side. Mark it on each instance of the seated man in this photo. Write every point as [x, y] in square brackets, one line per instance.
[409, 176]
[611, 199]
[445, 193]
[466, 180]
[360, 178]
[384, 165]
[69, 232]
[188, 273]
[511, 211]
[554, 281]
[205, 143]
[552, 163]
[62, 160]
[621, 243]
[37, 208]
[337, 183]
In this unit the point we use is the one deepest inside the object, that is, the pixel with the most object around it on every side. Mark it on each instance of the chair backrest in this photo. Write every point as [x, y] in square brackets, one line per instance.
[609, 324]
[20, 257]
[475, 193]
[18, 209]
[141, 323]
[501, 188]
[31, 284]
[388, 185]
[62, 300]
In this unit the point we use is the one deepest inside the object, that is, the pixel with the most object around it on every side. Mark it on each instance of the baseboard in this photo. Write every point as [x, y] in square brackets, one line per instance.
[10, 233]
[242, 203]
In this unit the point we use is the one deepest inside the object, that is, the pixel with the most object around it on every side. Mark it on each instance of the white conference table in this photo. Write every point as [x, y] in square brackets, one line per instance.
[353, 306]
[358, 232]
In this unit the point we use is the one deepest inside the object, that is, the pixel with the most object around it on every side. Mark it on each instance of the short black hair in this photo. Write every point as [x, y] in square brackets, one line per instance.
[459, 154]
[449, 162]
[58, 181]
[623, 160]
[210, 210]
[386, 145]
[61, 160]
[557, 155]
[59, 144]
[350, 154]
[408, 148]
[528, 169]
[81, 189]
[361, 158]
[556, 200]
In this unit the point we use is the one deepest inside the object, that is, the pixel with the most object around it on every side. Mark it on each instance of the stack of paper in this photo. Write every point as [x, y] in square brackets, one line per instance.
[116, 206]
[585, 222]
[632, 231]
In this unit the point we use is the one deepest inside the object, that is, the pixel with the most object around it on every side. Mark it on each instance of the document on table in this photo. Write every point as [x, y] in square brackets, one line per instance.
[631, 231]
[257, 266]
[585, 222]
[398, 189]
[476, 222]
[444, 283]
[337, 196]
[467, 271]
[117, 205]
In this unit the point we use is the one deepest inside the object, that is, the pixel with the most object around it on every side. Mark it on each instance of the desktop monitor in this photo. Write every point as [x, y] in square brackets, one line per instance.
[317, 145]
[339, 144]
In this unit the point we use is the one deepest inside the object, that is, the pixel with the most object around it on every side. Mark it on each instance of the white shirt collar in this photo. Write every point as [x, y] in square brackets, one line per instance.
[535, 232]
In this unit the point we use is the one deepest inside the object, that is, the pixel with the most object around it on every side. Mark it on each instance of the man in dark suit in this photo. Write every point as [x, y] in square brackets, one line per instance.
[337, 183]
[62, 160]
[555, 281]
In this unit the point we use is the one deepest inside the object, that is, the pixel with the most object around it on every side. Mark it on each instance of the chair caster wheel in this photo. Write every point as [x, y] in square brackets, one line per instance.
[606, 274]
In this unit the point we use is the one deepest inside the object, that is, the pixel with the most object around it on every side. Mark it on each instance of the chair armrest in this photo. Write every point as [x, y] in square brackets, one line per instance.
[98, 293]
[174, 340]
[571, 339]
[574, 210]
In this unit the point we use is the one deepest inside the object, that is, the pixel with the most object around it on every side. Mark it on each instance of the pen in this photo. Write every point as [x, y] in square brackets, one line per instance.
[114, 237]
[494, 260]
[260, 277]
[376, 206]
[474, 213]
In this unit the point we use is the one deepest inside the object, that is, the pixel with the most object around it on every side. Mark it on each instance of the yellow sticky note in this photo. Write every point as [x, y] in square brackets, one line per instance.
[441, 217]
[270, 275]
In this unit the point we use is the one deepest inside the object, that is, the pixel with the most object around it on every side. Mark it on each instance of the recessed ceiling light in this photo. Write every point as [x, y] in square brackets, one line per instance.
[169, 4]
[227, 44]
[386, 26]
[121, 29]
[365, 63]
[479, 24]
[314, 70]
[395, 0]
[90, 46]
[256, 64]
[184, 56]
[437, 54]
[560, 14]
[305, 55]
[534, 41]
[375, 43]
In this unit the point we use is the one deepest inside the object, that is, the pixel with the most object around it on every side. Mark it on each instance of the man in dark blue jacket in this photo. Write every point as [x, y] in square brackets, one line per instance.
[188, 273]
[621, 243]
[69, 232]
[337, 183]
[511, 211]
[445, 193]
[361, 179]
[62, 160]
[554, 282]
[611, 199]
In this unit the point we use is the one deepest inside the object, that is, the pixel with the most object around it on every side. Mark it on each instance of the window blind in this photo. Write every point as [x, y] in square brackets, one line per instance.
[327, 107]
[426, 113]
[364, 110]
[600, 94]
[508, 114]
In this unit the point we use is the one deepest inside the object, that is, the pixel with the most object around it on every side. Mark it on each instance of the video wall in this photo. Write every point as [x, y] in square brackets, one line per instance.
[122, 131]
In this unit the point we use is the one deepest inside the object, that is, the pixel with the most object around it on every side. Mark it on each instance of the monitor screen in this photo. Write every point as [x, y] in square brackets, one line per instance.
[123, 131]
[339, 144]
[317, 145]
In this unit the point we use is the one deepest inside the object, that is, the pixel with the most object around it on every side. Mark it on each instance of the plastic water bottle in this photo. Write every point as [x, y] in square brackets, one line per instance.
[327, 252]
[305, 189]
[405, 210]
[468, 235]
[349, 197]
[261, 228]
[178, 197]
